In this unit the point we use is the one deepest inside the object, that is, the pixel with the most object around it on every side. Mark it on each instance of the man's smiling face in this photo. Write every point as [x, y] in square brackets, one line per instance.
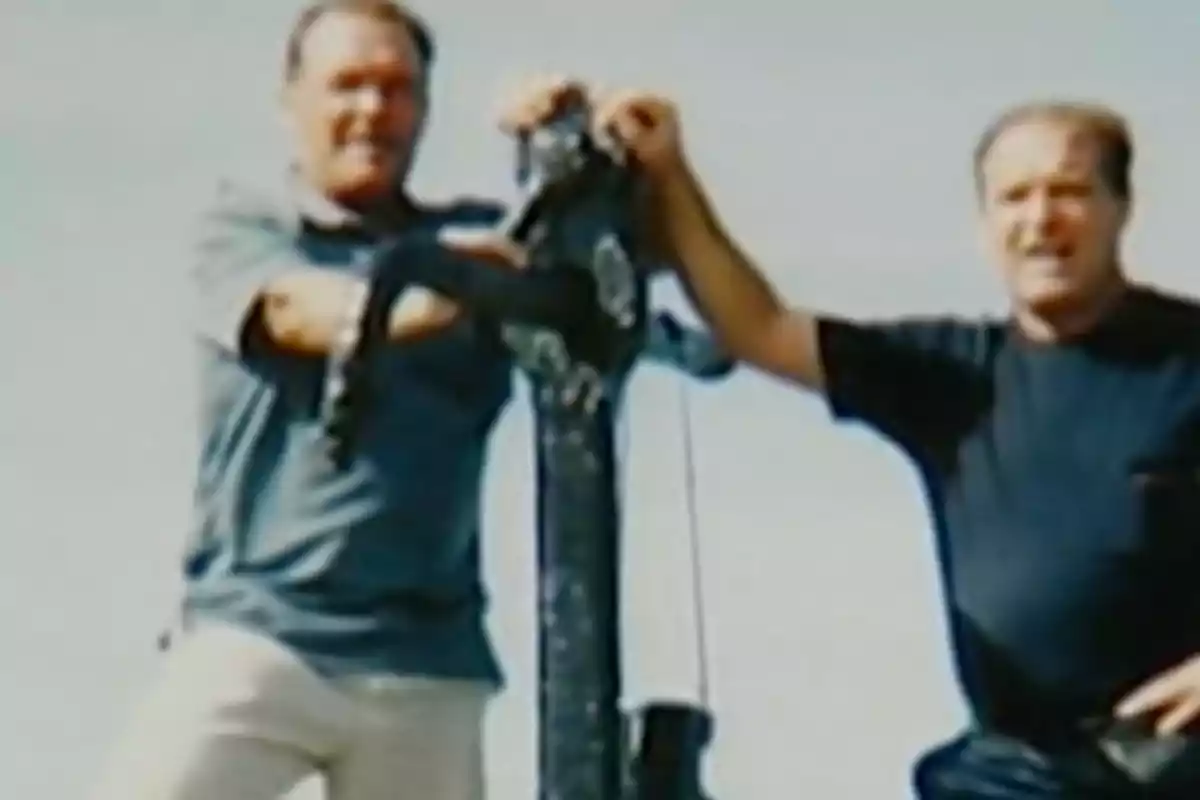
[357, 101]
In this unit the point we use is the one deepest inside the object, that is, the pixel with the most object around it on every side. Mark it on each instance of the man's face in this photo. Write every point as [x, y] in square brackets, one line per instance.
[1049, 216]
[357, 104]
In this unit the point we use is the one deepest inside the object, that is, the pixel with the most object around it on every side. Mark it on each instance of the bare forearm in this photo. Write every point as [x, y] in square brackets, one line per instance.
[307, 310]
[741, 306]
[722, 279]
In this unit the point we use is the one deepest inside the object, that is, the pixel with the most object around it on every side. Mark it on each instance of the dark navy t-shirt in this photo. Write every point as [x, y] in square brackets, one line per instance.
[1064, 487]
[371, 568]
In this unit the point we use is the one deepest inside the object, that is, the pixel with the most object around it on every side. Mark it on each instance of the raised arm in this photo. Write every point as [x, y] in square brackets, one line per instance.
[753, 323]
[747, 316]
[919, 380]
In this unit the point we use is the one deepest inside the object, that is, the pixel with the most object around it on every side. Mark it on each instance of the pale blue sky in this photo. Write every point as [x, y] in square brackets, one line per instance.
[835, 136]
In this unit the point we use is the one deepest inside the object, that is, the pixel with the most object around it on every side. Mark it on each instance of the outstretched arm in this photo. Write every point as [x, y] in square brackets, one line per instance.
[251, 284]
[254, 285]
[305, 310]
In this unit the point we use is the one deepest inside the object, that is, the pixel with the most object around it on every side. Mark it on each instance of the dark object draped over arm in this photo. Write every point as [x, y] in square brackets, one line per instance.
[576, 320]
[548, 298]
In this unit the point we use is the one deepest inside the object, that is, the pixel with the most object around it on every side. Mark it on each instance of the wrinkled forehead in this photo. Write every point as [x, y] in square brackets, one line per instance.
[1042, 147]
[346, 41]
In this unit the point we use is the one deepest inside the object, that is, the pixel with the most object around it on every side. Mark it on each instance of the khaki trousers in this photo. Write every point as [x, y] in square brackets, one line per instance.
[236, 716]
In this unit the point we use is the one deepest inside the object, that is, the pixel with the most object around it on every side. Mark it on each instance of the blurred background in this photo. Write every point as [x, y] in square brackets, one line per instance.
[835, 137]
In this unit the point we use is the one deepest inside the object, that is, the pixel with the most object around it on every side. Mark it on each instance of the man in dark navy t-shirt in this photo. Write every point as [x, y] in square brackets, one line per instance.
[1059, 451]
